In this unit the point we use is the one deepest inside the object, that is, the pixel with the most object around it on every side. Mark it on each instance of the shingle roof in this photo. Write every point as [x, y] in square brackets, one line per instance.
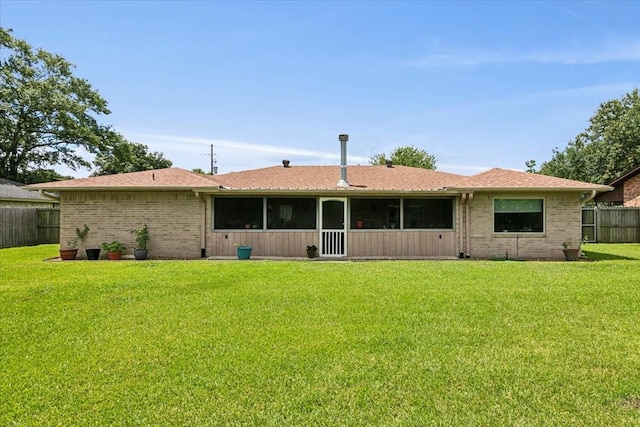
[497, 178]
[10, 190]
[160, 179]
[363, 178]
[322, 178]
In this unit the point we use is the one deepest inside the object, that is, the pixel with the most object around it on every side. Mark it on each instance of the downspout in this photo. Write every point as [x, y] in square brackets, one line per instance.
[203, 232]
[589, 197]
[467, 226]
[49, 196]
[463, 198]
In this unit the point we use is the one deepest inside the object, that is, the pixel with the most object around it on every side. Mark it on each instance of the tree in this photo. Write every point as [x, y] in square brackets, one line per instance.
[406, 156]
[46, 113]
[123, 156]
[608, 148]
[36, 176]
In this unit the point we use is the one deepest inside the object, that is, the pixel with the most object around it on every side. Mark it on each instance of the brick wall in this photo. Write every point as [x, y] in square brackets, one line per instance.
[173, 219]
[562, 221]
[632, 192]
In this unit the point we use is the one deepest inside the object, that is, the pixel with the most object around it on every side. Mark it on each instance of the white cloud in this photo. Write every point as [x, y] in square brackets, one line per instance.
[609, 51]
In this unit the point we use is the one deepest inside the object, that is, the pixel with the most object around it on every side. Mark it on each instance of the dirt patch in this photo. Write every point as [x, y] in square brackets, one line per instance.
[630, 402]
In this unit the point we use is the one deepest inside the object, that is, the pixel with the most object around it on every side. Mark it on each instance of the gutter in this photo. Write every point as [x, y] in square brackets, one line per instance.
[49, 196]
[203, 225]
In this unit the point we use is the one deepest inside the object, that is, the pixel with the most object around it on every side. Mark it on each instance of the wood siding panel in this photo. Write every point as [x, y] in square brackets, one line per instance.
[402, 243]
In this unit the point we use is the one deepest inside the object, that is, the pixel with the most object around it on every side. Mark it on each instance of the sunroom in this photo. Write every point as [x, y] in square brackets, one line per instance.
[355, 226]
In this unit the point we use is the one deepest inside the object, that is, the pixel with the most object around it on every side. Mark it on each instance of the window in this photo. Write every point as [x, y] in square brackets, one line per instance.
[375, 213]
[428, 213]
[291, 214]
[234, 213]
[518, 215]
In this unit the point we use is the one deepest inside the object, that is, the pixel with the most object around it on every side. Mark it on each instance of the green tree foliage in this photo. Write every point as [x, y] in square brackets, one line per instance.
[41, 175]
[406, 156]
[608, 148]
[123, 156]
[46, 114]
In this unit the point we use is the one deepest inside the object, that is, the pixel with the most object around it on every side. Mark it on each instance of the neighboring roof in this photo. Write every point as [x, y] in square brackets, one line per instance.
[627, 176]
[322, 179]
[159, 179]
[10, 190]
[505, 179]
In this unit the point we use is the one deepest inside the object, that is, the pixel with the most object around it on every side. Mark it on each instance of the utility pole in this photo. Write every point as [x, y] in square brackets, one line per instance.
[214, 168]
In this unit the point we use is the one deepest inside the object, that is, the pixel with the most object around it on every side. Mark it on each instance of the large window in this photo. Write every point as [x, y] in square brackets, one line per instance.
[233, 213]
[428, 213]
[518, 215]
[375, 213]
[291, 214]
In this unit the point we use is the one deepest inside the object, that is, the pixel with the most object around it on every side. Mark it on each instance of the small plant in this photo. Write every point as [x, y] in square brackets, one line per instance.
[312, 251]
[142, 237]
[81, 237]
[114, 246]
[570, 244]
[241, 244]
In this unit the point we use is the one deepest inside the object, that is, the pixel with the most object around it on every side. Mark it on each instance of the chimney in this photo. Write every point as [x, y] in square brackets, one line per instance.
[285, 163]
[389, 163]
[343, 138]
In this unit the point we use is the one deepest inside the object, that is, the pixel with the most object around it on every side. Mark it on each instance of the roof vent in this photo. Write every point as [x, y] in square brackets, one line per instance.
[285, 163]
[389, 163]
[343, 138]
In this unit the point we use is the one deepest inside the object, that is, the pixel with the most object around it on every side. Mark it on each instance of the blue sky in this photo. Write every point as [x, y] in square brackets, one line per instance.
[477, 84]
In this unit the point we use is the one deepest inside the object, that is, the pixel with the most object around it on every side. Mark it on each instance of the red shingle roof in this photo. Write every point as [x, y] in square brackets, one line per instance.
[497, 178]
[322, 178]
[363, 178]
[161, 179]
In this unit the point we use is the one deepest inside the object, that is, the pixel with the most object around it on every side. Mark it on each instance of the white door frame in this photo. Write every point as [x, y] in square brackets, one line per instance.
[333, 242]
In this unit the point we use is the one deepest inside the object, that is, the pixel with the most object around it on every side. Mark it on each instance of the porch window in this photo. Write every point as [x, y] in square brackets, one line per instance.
[518, 215]
[375, 213]
[291, 213]
[236, 213]
[428, 213]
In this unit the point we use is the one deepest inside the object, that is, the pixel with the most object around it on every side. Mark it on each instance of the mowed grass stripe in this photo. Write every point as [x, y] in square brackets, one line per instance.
[319, 343]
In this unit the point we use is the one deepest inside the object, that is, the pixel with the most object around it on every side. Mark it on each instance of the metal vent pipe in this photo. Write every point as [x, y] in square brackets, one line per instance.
[343, 138]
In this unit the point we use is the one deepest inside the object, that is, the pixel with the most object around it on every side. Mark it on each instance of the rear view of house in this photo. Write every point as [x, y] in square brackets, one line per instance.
[347, 211]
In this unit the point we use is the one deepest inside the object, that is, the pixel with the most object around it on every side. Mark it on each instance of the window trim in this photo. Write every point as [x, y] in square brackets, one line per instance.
[264, 215]
[511, 233]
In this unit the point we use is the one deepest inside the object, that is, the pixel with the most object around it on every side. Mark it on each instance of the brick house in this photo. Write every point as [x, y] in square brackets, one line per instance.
[374, 212]
[626, 190]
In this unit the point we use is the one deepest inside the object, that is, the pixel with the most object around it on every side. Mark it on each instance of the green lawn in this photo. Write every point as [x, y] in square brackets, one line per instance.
[320, 343]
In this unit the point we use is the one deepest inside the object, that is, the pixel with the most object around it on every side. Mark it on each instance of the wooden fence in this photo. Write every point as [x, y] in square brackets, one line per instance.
[611, 225]
[28, 226]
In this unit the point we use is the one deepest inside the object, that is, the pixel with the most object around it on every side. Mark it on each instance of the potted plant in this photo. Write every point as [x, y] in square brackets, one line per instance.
[113, 249]
[142, 237]
[71, 251]
[571, 250]
[312, 251]
[243, 250]
[92, 253]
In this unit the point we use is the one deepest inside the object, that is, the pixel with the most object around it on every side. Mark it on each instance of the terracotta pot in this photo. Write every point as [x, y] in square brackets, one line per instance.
[571, 254]
[114, 256]
[68, 254]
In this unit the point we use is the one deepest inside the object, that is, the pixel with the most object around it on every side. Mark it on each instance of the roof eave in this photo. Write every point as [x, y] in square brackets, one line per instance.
[530, 189]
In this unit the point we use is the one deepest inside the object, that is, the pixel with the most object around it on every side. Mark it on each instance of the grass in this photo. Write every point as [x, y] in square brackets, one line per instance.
[320, 343]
